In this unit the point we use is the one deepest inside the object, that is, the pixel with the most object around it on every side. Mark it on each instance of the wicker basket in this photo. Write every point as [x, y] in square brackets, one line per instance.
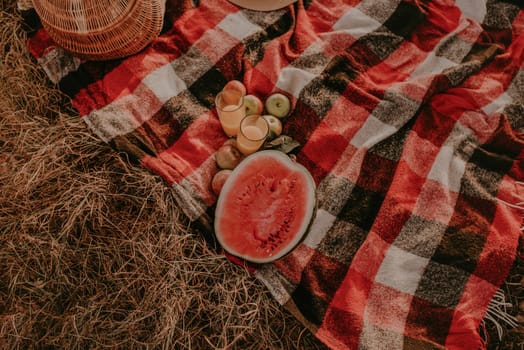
[101, 29]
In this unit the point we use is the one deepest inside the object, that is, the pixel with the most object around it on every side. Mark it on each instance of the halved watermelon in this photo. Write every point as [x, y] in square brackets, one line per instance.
[265, 207]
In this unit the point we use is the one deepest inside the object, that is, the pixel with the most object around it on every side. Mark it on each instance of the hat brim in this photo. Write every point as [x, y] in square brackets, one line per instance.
[262, 5]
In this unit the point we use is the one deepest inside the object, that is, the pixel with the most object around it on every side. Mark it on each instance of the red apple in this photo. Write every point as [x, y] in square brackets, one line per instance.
[278, 104]
[231, 141]
[228, 156]
[219, 179]
[232, 97]
[253, 105]
[236, 85]
[275, 125]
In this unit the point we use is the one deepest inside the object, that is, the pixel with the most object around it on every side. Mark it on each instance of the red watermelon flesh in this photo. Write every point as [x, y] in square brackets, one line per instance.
[265, 207]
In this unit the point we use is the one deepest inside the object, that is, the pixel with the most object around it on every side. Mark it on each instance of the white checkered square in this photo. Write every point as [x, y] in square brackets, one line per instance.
[448, 169]
[320, 226]
[293, 80]
[164, 83]
[401, 270]
[372, 131]
[433, 64]
[376, 338]
[498, 104]
[356, 23]
[474, 9]
[124, 115]
[272, 279]
[238, 26]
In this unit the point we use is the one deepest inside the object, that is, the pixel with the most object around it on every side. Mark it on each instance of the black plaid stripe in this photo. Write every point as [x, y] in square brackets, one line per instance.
[207, 86]
[368, 51]
[254, 48]
[460, 248]
[514, 113]
[382, 42]
[391, 147]
[483, 174]
[416, 233]
[318, 95]
[454, 48]
[332, 193]
[312, 307]
[87, 73]
[183, 109]
[470, 57]
[406, 18]
[464, 240]
[312, 60]
[362, 207]
[310, 164]
[500, 150]
[423, 313]
[339, 72]
[273, 23]
[456, 75]
[516, 87]
[336, 244]
[500, 15]
[192, 66]
[319, 98]
[380, 11]
[474, 219]
[442, 284]
[396, 109]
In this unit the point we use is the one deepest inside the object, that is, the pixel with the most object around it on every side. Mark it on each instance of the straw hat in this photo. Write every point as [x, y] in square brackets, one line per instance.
[262, 5]
[101, 29]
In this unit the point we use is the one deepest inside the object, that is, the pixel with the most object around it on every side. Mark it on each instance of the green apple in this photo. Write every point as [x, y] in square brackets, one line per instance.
[275, 125]
[278, 104]
[253, 105]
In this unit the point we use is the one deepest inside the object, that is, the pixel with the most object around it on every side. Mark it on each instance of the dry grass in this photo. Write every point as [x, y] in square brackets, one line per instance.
[94, 252]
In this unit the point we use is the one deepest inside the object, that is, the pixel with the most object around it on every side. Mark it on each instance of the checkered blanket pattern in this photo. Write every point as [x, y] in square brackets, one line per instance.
[410, 117]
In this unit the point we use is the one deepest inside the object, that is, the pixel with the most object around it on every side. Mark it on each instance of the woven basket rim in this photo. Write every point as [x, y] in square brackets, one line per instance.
[142, 22]
[119, 19]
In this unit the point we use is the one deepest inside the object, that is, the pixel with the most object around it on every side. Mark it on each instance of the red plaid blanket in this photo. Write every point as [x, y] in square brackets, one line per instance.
[410, 116]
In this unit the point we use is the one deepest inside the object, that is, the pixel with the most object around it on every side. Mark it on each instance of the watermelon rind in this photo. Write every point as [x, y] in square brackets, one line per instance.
[309, 207]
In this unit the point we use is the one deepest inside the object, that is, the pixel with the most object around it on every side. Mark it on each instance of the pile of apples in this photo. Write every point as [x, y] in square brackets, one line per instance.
[274, 108]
